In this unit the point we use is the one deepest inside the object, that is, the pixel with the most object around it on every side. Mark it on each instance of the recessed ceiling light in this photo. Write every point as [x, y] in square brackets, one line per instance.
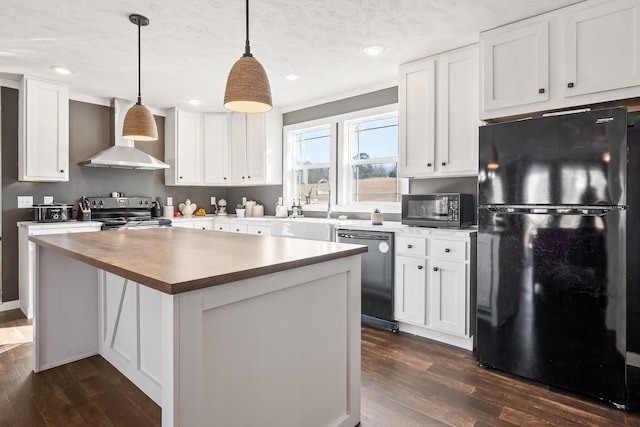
[193, 101]
[292, 77]
[60, 70]
[373, 50]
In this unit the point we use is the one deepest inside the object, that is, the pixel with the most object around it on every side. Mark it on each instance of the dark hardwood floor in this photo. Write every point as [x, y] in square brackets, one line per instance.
[406, 381]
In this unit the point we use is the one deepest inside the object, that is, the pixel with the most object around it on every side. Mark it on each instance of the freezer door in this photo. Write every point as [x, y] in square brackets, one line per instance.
[551, 293]
[574, 159]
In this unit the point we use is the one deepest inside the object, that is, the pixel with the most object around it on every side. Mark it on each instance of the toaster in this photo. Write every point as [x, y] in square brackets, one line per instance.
[53, 212]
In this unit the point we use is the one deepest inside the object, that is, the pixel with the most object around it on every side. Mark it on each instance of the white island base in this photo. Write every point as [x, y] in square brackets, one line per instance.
[282, 349]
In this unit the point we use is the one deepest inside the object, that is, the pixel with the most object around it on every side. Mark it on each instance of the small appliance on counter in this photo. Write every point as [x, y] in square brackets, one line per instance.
[443, 210]
[52, 212]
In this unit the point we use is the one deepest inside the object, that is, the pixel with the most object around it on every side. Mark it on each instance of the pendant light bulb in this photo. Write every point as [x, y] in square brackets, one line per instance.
[139, 124]
[248, 89]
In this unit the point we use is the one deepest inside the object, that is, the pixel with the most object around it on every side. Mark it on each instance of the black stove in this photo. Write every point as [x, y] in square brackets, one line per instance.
[124, 212]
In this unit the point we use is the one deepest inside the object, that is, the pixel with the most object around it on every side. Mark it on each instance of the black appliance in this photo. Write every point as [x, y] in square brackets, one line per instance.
[52, 212]
[377, 275]
[125, 212]
[444, 210]
[558, 284]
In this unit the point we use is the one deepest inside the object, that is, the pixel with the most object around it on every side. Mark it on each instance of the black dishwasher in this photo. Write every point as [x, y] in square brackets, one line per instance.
[377, 275]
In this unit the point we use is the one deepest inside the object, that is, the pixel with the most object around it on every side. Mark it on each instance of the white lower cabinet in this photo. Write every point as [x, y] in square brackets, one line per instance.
[201, 223]
[435, 284]
[232, 225]
[26, 254]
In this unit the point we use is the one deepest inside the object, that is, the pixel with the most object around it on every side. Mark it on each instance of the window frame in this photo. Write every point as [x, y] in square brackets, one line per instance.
[340, 171]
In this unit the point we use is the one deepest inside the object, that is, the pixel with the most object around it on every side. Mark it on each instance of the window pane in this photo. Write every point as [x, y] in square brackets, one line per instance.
[375, 183]
[313, 147]
[306, 181]
[375, 138]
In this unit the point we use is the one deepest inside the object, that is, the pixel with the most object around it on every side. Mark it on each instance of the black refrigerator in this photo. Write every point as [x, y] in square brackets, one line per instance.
[558, 252]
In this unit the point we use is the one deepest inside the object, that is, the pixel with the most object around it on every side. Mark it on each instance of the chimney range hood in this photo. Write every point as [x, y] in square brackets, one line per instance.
[123, 154]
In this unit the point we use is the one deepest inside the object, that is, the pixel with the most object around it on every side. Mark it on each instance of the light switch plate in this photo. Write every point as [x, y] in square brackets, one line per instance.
[213, 201]
[25, 201]
[169, 201]
[48, 200]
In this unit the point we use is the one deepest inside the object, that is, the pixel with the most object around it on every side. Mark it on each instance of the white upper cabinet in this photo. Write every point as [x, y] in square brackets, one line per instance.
[256, 148]
[196, 147]
[602, 51]
[439, 115]
[417, 118]
[516, 66]
[216, 148]
[458, 112]
[586, 53]
[43, 152]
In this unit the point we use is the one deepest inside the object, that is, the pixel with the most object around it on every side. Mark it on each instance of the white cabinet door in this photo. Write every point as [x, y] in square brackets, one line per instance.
[448, 296]
[256, 148]
[602, 50]
[43, 153]
[417, 118]
[189, 148]
[458, 112]
[410, 292]
[238, 148]
[515, 65]
[215, 141]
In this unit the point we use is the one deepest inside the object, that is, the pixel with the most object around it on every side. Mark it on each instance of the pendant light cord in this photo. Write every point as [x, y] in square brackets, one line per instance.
[139, 67]
[247, 48]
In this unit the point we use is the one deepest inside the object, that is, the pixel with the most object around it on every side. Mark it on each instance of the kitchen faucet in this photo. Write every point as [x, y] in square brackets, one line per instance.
[328, 192]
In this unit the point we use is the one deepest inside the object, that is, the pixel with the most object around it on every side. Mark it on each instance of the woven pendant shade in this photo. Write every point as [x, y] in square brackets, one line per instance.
[139, 124]
[248, 89]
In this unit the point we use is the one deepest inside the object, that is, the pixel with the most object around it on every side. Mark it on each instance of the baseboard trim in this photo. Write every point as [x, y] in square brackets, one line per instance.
[9, 305]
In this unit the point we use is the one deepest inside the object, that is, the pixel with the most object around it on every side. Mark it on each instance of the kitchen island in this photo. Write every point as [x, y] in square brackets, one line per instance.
[218, 329]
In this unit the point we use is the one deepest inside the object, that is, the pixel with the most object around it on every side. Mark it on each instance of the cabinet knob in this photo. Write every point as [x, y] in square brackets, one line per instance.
[420, 267]
[444, 163]
[570, 85]
[428, 165]
[238, 230]
[259, 232]
[179, 177]
[248, 177]
[435, 268]
[61, 170]
[409, 246]
[541, 90]
[447, 250]
[243, 177]
[225, 178]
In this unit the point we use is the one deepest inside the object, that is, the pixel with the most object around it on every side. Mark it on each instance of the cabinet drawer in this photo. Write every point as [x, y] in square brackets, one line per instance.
[449, 249]
[221, 227]
[262, 230]
[238, 228]
[412, 246]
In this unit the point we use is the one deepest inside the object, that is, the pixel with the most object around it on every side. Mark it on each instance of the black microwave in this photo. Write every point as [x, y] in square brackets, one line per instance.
[443, 210]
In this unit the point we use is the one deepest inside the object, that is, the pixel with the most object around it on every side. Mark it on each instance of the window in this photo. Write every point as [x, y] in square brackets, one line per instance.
[373, 154]
[312, 160]
[356, 153]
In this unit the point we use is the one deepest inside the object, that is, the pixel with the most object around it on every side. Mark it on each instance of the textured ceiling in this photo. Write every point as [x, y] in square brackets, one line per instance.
[190, 45]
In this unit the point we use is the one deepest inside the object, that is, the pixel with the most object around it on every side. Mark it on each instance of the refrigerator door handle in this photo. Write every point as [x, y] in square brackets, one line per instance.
[551, 210]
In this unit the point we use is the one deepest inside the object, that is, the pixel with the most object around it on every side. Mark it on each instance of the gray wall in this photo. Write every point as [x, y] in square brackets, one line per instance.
[89, 133]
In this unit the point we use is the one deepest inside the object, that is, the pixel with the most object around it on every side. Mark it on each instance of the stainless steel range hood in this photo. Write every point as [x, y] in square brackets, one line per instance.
[123, 154]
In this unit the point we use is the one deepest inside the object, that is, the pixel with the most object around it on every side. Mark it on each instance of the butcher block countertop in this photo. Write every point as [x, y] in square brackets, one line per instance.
[175, 260]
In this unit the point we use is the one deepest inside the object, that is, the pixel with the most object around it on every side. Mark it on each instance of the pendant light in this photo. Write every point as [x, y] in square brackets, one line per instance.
[248, 89]
[139, 124]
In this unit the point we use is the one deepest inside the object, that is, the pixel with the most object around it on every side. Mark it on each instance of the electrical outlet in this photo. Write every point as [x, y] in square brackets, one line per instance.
[48, 200]
[25, 201]
[213, 201]
[169, 201]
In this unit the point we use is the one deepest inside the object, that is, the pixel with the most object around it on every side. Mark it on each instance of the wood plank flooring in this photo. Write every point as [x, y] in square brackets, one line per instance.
[406, 381]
